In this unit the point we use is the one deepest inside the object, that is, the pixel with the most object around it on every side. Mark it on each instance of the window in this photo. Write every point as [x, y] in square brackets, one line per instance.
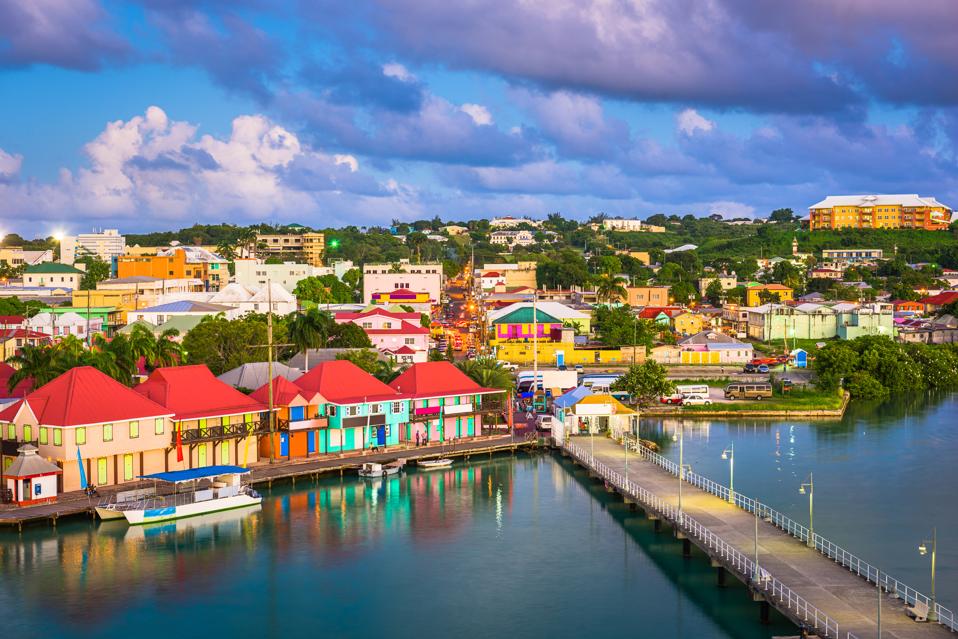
[397, 407]
[81, 435]
[134, 429]
[158, 426]
[27, 432]
[107, 433]
[332, 410]
[11, 431]
[409, 340]
[57, 437]
[376, 408]
[352, 411]
[43, 435]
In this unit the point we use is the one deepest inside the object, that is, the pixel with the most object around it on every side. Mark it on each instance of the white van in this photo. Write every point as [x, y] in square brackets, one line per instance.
[687, 390]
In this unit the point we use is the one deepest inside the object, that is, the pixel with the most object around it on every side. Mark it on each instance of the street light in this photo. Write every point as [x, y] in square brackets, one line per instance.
[681, 439]
[810, 484]
[729, 454]
[923, 550]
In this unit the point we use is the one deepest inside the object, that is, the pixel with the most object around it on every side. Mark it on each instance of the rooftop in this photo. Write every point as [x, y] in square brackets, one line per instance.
[191, 392]
[436, 379]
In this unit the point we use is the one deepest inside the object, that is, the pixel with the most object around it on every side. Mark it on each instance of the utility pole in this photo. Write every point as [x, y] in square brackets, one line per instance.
[269, 367]
[535, 349]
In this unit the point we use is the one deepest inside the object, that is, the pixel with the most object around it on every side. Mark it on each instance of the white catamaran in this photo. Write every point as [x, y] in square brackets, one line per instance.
[196, 491]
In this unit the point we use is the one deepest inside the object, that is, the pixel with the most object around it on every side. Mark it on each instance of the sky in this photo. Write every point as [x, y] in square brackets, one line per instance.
[157, 114]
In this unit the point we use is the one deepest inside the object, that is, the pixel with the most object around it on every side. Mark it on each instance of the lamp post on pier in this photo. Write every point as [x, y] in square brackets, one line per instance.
[923, 550]
[729, 454]
[810, 485]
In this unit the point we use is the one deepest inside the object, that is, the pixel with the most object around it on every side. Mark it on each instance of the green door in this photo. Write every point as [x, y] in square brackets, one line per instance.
[323, 441]
[459, 427]
[101, 475]
[349, 438]
[201, 452]
[127, 467]
[471, 426]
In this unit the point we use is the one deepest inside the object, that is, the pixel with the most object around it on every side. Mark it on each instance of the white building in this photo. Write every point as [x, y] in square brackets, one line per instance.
[52, 275]
[512, 238]
[161, 313]
[149, 290]
[620, 224]
[105, 245]
[242, 299]
[509, 222]
[61, 325]
[386, 278]
[287, 274]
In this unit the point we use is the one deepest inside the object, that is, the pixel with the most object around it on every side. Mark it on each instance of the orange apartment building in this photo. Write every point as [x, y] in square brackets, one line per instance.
[182, 262]
[879, 212]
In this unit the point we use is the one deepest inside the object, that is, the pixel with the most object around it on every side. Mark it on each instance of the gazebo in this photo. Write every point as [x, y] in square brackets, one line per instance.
[30, 478]
[600, 412]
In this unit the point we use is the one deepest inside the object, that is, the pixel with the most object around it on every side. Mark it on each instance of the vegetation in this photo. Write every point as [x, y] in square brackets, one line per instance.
[310, 329]
[224, 344]
[15, 306]
[620, 327]
[96, 271]
[369, 360]
[875, 367]
[809, 399]
[486, 372]
[645, 382]
[325, 289]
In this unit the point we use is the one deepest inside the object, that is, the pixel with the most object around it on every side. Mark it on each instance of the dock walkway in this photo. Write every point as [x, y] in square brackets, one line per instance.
[826, 588]
[77, 503]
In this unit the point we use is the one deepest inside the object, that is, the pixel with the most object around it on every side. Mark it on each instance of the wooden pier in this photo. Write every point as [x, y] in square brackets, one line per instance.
[76, 503]
[825, 589]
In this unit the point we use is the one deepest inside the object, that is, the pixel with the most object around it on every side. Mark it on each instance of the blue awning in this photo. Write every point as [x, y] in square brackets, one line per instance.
[572, 397]
[206, 472]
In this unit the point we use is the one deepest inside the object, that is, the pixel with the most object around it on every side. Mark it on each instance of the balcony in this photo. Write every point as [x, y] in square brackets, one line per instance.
[304, 424]
[220, 433]
[425, 413]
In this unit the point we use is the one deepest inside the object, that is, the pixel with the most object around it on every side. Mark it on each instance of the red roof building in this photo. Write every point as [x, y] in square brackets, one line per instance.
[12, 321]
[285, 393]
[935, 302]
[192, 392]
[18, 391]
[342, 382]
[342, 318]
[437, 379]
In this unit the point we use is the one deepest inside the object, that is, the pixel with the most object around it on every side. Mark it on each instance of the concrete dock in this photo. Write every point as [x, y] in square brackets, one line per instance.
[801, 582]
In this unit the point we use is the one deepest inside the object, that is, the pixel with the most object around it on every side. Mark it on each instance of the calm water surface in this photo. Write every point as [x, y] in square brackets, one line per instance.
[884, 475]
[499, 548]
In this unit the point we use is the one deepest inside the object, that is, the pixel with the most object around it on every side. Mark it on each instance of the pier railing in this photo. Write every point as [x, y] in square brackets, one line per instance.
[833, 551]
[754, 575]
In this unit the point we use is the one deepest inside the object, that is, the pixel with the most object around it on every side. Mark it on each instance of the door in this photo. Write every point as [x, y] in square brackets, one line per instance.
[311, 438]
[101, 474]
[349, 439]
[127, 467]
[560, 359]
[471, 426]
[459, 427]
[323, 444]
[284, 444]
[201, 455]
[381, 436]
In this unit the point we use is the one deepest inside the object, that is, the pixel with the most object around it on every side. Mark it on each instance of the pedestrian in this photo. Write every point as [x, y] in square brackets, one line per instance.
[417, 438]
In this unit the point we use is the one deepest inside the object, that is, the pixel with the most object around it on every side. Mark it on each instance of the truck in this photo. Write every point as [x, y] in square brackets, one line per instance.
[549, 378]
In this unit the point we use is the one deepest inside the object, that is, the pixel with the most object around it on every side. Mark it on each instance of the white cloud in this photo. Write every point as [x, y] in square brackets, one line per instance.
[398, 71]
[730, 209]
[348, 160]
[479, 114]
[9, 165]
[689, 121]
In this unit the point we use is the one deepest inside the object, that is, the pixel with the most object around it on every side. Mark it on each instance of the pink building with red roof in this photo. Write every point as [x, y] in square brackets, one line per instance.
[119, 433]
[217, 424]
[400, 335]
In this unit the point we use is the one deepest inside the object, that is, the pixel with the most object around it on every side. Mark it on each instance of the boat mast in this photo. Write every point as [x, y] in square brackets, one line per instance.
[269, 366]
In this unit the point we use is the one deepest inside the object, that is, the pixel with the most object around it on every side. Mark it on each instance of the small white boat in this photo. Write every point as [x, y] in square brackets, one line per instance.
[371, 470]
[434, 464]
[209, 489]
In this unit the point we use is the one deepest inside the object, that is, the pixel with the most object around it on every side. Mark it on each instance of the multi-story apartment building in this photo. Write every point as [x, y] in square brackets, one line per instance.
[105, 245]
[387, 278]
[311, 246]
[287, 274]
[908, 211]
[512, 238]
[178, 262]
[509, 222]
[727, 282]
[52, 275]
[621, 224]
[852, 255]
[15, 256]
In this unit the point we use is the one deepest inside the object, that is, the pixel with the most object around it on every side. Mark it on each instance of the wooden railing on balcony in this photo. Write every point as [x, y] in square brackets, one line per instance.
[218, 433]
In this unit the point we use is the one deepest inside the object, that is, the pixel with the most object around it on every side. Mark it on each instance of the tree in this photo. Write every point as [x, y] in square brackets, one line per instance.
[309, 329]
[96, 271]
[324, 289]
[348, 335]
[620, 327]
[645, 382]
[224, 344]
[32, 362]
[226, 250]
[486, 372]
[364, 358]
[714, 292]
[766, 296]
[610, 288]
[837, 360]
[782, 215]
[683, 292]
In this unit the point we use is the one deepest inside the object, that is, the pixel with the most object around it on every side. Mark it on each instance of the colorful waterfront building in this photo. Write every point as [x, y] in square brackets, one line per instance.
[117, 433]
[524, 323]
[445, 403]
[212, 422]
[361, 411]
[299, 420]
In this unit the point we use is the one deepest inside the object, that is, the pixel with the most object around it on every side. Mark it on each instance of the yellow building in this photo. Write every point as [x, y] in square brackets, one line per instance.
[879, 212]
[689, 323]
[551, 352]
[314, 248]
[648, 295]
[642, 256]
[753, 293]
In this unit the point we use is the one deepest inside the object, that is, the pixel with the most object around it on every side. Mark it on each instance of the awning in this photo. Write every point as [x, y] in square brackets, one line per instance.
[175, 476]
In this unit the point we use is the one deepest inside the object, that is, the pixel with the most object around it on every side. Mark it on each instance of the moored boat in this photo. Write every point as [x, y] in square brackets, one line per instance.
[207, 490]
[371, 470]
[434, 464]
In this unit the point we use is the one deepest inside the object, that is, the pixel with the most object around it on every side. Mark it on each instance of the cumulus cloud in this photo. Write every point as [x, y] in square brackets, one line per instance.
[152, 167]
[689, 121]
[479, 114]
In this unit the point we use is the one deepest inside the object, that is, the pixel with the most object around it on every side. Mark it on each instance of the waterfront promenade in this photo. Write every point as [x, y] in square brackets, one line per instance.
[263, 473]
[801, 582]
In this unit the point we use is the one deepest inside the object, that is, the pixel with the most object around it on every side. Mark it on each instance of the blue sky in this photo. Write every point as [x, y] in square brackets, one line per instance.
[159, 113]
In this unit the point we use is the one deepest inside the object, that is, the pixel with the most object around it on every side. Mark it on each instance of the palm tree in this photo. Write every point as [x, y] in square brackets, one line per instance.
[610, 288]
[246, 241]
[386, 371]
[310, 330]
[486, 372]
[34, 362]
[142, 343]
[226, 250]
[168, 351]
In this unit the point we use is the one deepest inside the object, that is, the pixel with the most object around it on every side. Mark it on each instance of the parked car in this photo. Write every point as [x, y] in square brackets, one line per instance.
[756, 368]
[546, 422]
[674, 399]
[696, 400]
[509, 366]
[579, 368]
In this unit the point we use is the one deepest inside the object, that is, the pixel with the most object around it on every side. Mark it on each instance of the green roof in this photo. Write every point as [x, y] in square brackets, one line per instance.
[524, 316]
[51, 267]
